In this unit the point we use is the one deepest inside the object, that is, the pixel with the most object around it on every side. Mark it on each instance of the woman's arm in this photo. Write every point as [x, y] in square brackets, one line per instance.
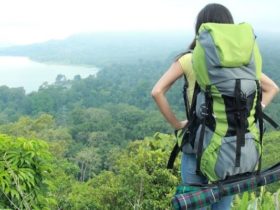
[269, 90]
[161, 87]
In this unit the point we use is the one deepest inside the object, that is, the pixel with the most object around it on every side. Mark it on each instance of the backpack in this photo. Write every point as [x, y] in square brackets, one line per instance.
[225, 126]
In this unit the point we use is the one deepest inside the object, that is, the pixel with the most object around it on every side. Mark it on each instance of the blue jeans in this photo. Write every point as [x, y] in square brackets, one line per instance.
[188, 168]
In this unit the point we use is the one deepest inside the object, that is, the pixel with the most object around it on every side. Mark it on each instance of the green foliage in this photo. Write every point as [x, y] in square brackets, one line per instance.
[63, 181]
[264, 201]
[271, 148]
[89, 162]
[84, 121]
[12, 103]
[138, 180]
[146, 183]
[102, 192]
[42, 127]
[25, 172]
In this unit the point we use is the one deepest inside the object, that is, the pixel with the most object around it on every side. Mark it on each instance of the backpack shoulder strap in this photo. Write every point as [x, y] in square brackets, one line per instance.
[185, 96]
[185, 92]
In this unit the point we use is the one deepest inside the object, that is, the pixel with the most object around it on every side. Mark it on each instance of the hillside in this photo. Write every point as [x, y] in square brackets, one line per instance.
[99, 49]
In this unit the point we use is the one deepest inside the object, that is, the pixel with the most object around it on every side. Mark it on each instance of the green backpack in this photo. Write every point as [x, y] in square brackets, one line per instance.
[225, 126]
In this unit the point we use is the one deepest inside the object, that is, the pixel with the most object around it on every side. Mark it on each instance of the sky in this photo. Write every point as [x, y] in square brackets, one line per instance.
[31, 21]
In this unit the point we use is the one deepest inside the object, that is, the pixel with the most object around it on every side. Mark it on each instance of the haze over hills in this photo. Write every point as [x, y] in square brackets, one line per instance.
[99, 49]
[102, 48]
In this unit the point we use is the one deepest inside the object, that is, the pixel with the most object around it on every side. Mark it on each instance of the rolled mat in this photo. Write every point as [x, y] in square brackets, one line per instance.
[193, 197]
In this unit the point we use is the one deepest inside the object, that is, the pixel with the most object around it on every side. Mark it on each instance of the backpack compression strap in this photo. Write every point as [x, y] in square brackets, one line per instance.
[240, 121]
[205, 113]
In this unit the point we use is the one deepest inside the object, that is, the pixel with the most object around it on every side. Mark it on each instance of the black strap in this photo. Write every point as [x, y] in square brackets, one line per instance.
[270, 121]
[176, 149]
[173, 155]
[200, 147]
[202, 131]
[185, 96]
[240, 121]
[193, 117]
[259, 116]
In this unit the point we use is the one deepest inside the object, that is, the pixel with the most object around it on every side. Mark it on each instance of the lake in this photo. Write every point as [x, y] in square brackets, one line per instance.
[23, 72]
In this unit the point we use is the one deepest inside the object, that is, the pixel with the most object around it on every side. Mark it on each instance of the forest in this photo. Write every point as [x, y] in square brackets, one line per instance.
[100, 142]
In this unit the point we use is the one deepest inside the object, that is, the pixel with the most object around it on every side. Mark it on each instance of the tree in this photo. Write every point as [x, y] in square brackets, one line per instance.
[89, 162]
[25, 174]
[145, 181]
[42, 127]
[85, 121]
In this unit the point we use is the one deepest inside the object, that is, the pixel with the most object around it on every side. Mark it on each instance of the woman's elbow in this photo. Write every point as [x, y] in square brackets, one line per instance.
[155, 92]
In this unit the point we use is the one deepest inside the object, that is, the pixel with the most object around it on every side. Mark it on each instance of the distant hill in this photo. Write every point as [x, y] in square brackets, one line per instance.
[103, 48]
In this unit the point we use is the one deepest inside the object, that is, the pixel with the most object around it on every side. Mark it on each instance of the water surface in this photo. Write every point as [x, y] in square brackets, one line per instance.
[23, 72]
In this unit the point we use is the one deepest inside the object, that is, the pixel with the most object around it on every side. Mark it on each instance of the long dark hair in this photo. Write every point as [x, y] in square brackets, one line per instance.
[211, 13]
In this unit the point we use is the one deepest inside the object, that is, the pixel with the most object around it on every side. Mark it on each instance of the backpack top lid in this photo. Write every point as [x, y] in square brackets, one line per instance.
[234, 42]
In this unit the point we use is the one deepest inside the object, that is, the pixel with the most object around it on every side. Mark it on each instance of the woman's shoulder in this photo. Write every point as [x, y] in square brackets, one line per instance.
[186, 62]
[186, 55]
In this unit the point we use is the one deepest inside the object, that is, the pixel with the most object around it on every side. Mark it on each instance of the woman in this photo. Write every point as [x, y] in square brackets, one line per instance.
[215, 13]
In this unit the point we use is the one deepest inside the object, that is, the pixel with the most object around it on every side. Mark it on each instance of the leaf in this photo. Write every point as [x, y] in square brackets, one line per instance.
[244, 201]
[14, 193]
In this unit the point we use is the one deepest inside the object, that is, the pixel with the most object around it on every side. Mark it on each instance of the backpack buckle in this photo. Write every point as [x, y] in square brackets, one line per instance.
[203, 110]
